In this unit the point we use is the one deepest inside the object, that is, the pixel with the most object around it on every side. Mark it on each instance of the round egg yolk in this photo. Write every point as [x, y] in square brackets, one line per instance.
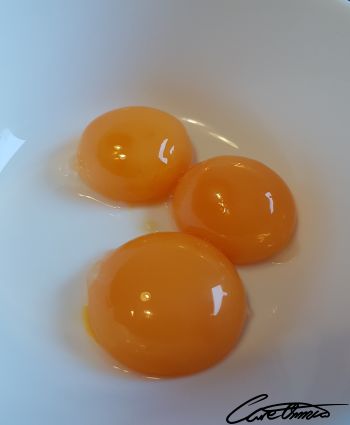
[134, 154]
[240, 205]
[167, 304]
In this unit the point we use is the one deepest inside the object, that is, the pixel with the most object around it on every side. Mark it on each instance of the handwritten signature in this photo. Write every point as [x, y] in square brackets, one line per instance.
[291, 410]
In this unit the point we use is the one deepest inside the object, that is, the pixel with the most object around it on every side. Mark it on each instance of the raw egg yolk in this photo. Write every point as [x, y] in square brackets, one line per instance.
[134, 154]
[167, 304]
[240, 205]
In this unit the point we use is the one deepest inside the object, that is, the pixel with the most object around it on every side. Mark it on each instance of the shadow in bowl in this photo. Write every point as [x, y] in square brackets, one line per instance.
[71, 329]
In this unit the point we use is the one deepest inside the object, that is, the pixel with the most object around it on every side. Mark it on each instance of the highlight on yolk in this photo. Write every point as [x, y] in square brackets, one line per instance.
[134, 154]
[240, 205]
[167, 304]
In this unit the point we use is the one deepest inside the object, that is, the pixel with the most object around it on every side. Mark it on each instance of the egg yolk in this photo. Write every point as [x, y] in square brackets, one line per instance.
[134, 154]
[167, 304]
[240, 205]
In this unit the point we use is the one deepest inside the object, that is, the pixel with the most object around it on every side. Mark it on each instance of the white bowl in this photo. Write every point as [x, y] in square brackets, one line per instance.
[267, 79]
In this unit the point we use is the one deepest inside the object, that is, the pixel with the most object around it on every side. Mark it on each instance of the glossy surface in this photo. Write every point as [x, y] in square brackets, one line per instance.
[271, 76]
[167, 304]
[240, 205]
[134, 154]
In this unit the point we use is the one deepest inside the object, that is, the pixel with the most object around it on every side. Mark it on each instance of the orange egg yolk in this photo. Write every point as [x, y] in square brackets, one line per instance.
[240, 205]
[134, 154]
[167, 304]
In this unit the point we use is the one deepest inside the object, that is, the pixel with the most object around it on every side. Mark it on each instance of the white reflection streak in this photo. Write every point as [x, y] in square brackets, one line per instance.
[161, 151]
[212, 133]
[82, 195]
[192, 121]
[120, 369]
[222, 204]
[269, 197]
[218, 295]
[224, 139]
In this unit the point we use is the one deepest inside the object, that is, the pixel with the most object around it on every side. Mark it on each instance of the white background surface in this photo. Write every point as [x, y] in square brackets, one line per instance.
[273, 76]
